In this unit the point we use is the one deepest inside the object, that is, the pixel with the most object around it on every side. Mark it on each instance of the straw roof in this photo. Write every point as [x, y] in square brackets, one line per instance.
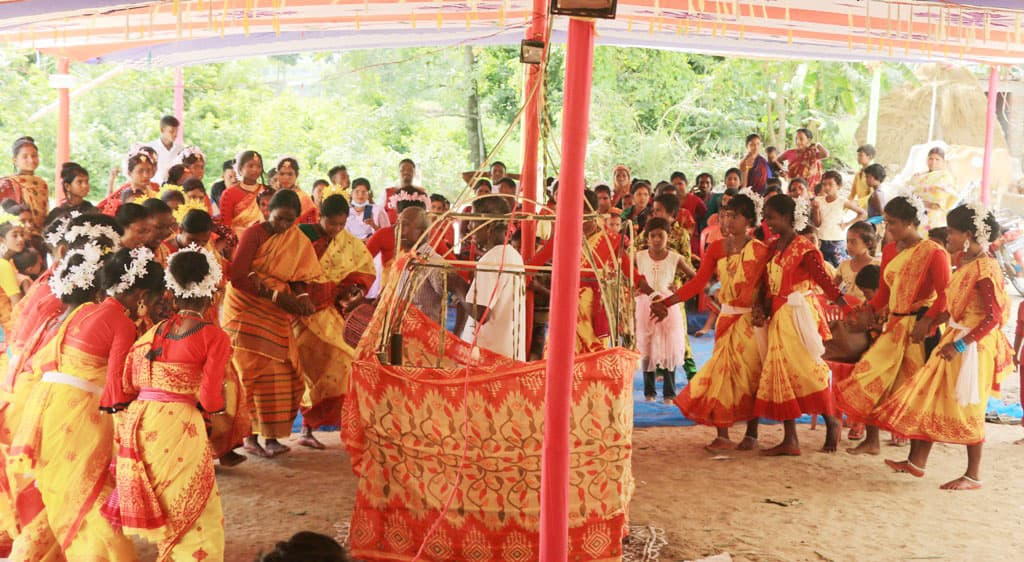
[904, 113]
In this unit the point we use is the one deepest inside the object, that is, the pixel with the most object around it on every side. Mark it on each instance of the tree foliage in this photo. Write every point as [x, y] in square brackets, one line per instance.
[655, 111]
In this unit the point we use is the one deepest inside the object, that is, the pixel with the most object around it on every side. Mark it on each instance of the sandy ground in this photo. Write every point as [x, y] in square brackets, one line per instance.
[840, 508]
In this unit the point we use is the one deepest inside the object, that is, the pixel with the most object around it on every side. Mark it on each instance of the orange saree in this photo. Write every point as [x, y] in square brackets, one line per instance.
[265, 354]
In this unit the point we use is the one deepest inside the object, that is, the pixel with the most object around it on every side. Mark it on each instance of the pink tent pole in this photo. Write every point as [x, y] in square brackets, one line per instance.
[554, 482]
[63, 126]
[528, 182]
[990, 129]
[179, 101]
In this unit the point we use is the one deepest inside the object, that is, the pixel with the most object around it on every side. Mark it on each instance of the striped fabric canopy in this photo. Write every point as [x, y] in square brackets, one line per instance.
[187, 32]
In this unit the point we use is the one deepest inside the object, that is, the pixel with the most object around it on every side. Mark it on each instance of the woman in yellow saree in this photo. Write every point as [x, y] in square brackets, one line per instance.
[65, 440]
[945, 401]
[326, 358]
[287, 178]
[166, 489]
[37, 322]
[273, 263]
[239, 208]
[937, 188]
[723, 391]
[912, 294]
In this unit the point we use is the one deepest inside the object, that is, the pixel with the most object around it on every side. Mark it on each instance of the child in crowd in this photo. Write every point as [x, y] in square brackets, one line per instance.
[797, 188]
[861, 242]
[662, 344]
[666, 206]
[772, 154]
[829, 209]
[860, 191]
[26, 188]
[874, 175]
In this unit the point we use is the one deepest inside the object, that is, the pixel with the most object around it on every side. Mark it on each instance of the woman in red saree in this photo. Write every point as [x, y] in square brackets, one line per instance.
[945, 400]
[805, 160]
[795, 379]
[723, 391]
[229, 429]
[65, 440]
[912, 293]
[287, 178]
[141, 167]
[326, 359]
[26, 188]
[273, 263]
[166, 489]
[239, 208]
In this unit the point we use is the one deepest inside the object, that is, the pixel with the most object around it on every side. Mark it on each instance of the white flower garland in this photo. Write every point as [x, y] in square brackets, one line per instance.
[189, 151]
[802, 214]
[982, 230]
[404, 196]
[758, 204]
[92, 232]
[64, 281]
[57, 234]
[203, 289]
[917, 203]
[135, 270]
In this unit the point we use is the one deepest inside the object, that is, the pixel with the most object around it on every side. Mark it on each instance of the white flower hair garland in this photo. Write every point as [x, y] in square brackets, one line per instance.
[403, 196]
[982, 231]
[65, 280]
[92, 232]
[802, 214]
[189, 152]
[203, 289]
[758, 204]
[60, 230]
[917, 203]
[135, 270]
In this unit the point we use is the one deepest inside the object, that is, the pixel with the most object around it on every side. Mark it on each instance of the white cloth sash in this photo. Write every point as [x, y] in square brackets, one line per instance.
[760, 332]
[58, 377]
[803, 318]
[967, 391]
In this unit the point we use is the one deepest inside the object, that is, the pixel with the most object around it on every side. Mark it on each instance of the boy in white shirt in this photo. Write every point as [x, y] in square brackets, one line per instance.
[167, 147]
[496, 299]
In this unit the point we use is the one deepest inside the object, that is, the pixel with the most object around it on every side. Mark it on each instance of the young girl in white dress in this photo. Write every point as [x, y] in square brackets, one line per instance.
[662, 344]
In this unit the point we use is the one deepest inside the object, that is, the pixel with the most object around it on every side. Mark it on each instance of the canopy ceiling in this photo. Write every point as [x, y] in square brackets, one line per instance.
[187, 32]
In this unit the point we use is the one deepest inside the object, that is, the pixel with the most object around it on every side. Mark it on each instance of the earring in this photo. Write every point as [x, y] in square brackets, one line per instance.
[141, 310]
[967, 245]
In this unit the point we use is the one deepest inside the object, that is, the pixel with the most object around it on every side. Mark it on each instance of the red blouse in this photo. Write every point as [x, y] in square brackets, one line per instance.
[383, 243]
[230, 199]
[207, 347]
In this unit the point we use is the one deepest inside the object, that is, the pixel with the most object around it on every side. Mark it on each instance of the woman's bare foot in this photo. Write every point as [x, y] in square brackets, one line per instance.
[252, 445]
[275, 447]
[963, 483]
[719, 444]
[307, 439]
[232, 458]
[748, 444]
[865, 448]
[1019, 442]
[782, 450]
[832, 433]
[905, 467]
[701, 333]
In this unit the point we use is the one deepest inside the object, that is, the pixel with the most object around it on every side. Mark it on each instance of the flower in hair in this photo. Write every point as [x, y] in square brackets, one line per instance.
[405, 196]
[282, 159]
[202, 289]
[191, 151]
[336, 190]
[60, 229]
[982, 231]
[917, 203]
[802, 214]
[133, 271]
[65, 280]
[93, 232]
[758, 203]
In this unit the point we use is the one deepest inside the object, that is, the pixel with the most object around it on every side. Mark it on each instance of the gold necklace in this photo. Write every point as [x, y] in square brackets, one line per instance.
[186, 312]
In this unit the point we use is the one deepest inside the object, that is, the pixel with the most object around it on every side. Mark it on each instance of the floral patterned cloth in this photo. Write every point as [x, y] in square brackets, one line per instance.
[407, 431]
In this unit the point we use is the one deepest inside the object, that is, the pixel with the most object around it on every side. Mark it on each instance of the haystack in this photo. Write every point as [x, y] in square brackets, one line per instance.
[904, 112]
